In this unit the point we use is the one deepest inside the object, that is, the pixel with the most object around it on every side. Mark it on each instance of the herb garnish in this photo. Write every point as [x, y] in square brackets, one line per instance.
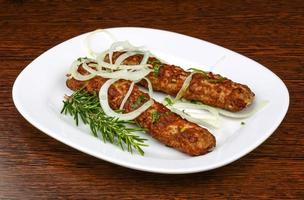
[81, 58]
[195, 101]
[198, 70]
[86, 107]
[168, 101]
[155, 116]
[156, 66]
[156, 70]
[218, 80]
[209, 79]
[138, 101]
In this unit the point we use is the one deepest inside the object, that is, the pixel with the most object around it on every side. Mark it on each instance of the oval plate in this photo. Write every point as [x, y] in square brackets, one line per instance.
[39, 89]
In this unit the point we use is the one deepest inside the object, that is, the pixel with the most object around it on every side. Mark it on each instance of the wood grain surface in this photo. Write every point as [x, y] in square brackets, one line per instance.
[35, 166]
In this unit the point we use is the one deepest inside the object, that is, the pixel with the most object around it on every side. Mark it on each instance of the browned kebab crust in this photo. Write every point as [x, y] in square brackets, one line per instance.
[208, 88]
[170, 129]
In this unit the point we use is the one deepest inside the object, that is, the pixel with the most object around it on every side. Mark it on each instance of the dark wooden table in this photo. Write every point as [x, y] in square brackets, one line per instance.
[35, 166]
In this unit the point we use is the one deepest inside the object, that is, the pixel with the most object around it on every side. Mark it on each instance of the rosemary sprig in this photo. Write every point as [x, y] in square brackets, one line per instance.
[86, 107]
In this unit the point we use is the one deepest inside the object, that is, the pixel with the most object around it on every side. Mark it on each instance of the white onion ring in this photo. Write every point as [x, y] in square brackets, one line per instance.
[103, 98]
[208, 121]
[135, 74]
[145, 58]
[149, 87]
[184, 87]
[125, 74]
[75, 74]
[89, 69]
[121, 46]
[186, 105]
[124, 56]
[102, 63]
[127, 96]
[88, 38]
[247, 112]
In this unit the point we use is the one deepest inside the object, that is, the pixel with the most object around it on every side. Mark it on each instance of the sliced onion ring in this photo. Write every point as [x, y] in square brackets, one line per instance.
[134, 74]
[208, 121]
[122, 46]
[103, 98]
[127, 96]
[125, 74]
[89, 68]
[88, 39]
[145, 58]
[102, 63]
[189, 105]
[124, 56]
[247, 112]
[184, 87]
[75, 74]
[149, 87]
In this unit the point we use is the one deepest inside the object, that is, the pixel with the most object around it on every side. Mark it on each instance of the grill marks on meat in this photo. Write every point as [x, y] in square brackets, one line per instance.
[208, 88]
[168, 128]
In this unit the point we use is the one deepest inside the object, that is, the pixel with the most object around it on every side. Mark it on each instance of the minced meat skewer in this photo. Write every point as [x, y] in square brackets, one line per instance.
[205, 87]
[162, 124]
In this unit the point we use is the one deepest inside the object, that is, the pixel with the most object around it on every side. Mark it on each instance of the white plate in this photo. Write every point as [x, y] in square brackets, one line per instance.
[39, 89]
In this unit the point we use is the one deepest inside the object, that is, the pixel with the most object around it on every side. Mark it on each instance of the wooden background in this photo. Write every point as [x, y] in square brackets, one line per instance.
[35, 166]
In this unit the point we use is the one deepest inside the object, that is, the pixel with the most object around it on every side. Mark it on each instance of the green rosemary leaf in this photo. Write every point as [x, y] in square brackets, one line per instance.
[86, 107]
